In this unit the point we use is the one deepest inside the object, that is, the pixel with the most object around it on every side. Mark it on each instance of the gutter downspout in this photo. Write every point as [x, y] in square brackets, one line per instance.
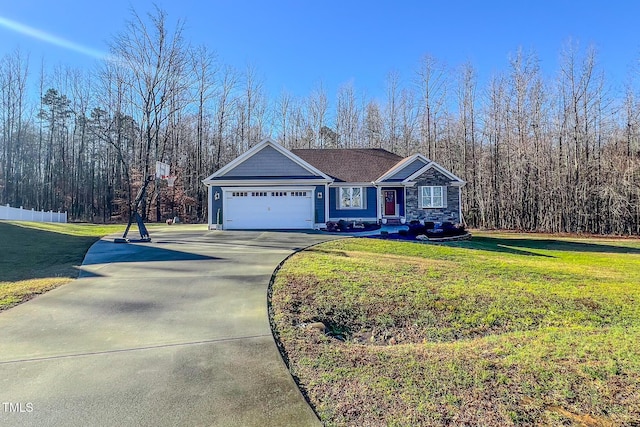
[378, 201]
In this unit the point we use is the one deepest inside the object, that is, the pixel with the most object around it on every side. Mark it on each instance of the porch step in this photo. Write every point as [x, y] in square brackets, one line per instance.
[393, 221]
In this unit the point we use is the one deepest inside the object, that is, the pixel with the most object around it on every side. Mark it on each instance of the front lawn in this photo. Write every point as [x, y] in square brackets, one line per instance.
[37, 257]
[500, 330]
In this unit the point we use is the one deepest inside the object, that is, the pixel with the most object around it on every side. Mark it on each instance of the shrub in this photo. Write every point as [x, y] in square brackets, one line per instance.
[447, 229]
[416, 229]
[332, 226]
[459, 229]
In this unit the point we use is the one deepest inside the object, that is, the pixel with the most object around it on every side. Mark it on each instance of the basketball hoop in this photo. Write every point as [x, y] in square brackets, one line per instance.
[162, 170]
[171, 179]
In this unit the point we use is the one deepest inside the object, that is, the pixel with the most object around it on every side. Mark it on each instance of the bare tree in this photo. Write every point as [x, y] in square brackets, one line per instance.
[392, 110]
[318, 105]
[252, 109]
[577, 94]
[111, 125]
[225, 99]
[14, 71]
[347, 117]
[468, 162]
[432, 86]
[373, 126]
[282, 116]
[205, 68]
[408, 126]
[156, 60]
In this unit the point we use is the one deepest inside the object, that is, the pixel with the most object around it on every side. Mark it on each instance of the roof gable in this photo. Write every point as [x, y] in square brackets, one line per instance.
[266, 159]
[402, 170]
[267, 162]
[442, 170]
[350, 164]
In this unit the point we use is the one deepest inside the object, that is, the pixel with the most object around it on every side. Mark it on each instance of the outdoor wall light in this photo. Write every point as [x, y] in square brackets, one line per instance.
[216, 196]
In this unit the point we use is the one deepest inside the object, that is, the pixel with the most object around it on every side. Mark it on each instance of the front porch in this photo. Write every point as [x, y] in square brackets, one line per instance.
[391, 204]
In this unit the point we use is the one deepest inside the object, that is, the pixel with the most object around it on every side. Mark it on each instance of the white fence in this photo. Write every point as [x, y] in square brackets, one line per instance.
[19, 214]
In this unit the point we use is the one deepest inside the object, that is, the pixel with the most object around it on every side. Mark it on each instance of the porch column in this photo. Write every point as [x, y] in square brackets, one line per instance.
[379, 202]
[404, 202]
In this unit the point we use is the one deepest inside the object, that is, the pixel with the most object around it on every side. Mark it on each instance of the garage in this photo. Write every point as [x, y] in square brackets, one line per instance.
[267, 188]
[268, 208]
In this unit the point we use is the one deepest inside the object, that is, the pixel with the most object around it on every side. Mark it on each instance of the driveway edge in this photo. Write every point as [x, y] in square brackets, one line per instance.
[274, 334]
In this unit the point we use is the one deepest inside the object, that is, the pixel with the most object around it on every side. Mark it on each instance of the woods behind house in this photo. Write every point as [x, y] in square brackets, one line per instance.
[554, 151]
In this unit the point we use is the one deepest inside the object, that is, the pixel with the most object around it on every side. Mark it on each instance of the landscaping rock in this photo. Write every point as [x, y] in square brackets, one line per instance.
[317, 326]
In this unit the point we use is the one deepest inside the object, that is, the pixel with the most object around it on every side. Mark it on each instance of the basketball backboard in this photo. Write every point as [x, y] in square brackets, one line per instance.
[162, 170]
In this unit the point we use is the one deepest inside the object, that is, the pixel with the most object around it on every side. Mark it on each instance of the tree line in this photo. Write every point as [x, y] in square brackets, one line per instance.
[553, 154]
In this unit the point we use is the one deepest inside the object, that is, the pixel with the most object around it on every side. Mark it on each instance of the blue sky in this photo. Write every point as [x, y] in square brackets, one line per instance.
[294, 45]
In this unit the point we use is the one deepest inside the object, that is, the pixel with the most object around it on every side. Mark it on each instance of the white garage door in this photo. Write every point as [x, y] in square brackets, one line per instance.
[268, 208]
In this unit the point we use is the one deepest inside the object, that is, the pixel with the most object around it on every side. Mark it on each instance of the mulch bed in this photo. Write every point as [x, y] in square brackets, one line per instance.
[350, 229]
[432, 237]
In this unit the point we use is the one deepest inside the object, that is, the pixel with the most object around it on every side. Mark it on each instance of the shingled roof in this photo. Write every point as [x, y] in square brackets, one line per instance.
[350, 164]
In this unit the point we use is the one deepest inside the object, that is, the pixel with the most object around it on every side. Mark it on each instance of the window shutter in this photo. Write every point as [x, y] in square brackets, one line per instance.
[444, 196]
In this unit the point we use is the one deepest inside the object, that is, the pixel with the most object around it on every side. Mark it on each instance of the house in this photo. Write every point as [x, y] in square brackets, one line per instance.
[270, 187]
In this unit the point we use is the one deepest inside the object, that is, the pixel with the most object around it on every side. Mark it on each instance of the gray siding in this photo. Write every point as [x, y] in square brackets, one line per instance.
[407, 171]
[319, 204]
[268, 162]
[451, 213]
[216, 205]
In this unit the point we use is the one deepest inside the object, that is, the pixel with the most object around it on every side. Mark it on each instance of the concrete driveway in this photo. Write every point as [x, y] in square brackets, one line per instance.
[173, 332]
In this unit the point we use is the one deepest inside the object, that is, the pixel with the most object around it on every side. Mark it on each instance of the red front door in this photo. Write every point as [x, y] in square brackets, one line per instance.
[389, 202]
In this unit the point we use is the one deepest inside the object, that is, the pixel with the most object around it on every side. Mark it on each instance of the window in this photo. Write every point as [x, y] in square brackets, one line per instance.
[432, 197]
[351, 198]
[299, 193]
[278, 193]
[259, 194]
[240, 194]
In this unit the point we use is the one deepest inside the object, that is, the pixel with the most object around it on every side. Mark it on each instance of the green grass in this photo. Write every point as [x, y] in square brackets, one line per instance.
[504, 329]
[37, 257]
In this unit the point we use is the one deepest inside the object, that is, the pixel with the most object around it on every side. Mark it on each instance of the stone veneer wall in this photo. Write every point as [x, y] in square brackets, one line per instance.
[449, 214]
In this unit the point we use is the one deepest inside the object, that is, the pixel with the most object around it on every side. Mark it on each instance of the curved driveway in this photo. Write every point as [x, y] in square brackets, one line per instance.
[173, 332]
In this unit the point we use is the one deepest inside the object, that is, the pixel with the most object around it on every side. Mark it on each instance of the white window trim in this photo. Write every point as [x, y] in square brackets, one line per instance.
[443, 194]
[340, 206]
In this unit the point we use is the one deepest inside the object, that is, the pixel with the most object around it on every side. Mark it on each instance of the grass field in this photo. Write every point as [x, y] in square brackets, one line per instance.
[37, 257]
[505, 329]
